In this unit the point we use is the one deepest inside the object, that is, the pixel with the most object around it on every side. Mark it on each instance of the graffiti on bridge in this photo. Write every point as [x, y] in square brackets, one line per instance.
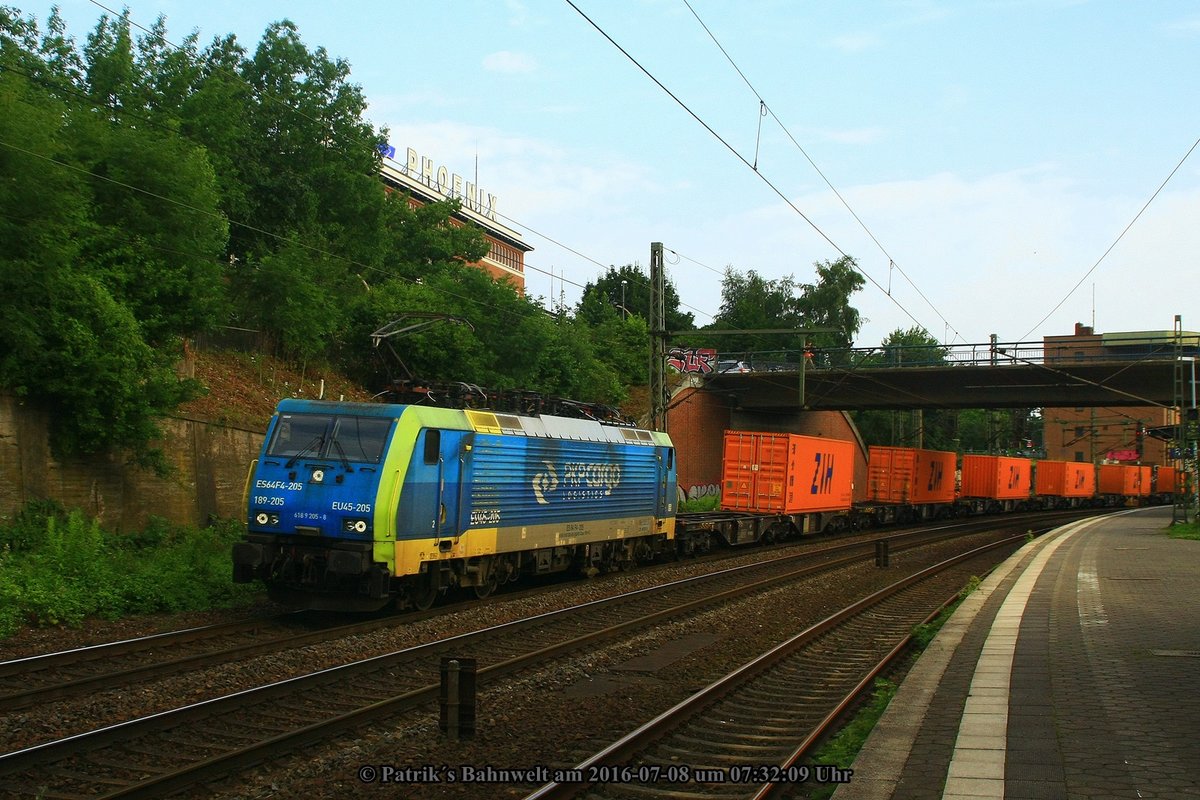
[702, 360]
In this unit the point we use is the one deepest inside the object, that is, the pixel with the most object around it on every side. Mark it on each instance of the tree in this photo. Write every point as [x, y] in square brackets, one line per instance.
[629, 286]
[826, 303]
[110, 248]
[933, 429]
[313, 163]
[962, 430]
[751, 302]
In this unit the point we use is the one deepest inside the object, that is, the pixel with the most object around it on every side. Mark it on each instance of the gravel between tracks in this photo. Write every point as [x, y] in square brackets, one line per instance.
[550, 717]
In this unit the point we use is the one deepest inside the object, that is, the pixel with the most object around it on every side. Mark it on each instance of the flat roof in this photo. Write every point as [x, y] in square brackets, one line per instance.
[400, 178]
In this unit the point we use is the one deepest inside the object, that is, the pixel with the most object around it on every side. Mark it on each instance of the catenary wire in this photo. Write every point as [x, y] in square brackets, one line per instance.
[1117, 241]
[759, 173]
[766, 106]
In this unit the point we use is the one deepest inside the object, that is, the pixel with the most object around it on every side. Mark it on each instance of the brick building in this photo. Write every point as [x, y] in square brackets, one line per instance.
[1113, 434]
[426, 182]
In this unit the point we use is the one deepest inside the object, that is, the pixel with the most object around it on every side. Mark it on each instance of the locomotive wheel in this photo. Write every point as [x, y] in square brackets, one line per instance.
[421, 592]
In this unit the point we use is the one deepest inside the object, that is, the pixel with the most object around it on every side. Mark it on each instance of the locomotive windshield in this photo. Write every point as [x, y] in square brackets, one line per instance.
[359, 439]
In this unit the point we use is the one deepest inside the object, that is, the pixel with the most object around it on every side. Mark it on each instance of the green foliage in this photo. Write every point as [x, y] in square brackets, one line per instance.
[629, 286]
[27, 529]
[1190, 530]
[69, 569]
[961, 430]
[826, 303]
[841, 750]
[150, 192]
[706, 503]
[751, 302]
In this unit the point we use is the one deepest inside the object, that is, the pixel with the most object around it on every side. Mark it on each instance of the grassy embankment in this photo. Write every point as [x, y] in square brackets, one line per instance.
[59, 568]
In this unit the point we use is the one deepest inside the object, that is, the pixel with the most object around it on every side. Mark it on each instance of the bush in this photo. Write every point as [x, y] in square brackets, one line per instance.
[706, 503]
[28, 528]
[71, 569]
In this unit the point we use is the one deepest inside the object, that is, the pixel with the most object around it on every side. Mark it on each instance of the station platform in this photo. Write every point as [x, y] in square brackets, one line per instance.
[1072, 672]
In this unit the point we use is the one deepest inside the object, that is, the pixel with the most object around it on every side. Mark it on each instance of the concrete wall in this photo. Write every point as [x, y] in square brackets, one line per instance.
[210, 464]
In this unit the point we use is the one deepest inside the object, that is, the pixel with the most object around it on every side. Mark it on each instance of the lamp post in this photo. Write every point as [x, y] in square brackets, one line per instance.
[624, 311]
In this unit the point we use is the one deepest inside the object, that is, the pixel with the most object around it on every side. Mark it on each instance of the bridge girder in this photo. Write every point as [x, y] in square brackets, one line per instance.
[1095, 384]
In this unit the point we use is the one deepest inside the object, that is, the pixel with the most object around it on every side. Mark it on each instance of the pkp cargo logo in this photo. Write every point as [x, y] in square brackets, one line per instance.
[580, 481]
[544, 483]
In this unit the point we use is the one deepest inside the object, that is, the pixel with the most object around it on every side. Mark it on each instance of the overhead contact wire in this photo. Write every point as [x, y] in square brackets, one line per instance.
[765, 109]
[740, 158]
[1117, 241]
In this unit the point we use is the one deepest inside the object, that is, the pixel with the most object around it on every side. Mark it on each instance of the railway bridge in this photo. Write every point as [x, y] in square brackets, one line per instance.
[973, 376]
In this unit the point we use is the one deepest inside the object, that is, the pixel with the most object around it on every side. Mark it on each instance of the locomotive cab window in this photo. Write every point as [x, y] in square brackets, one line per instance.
[360, 439]
[433, 446]
[298, 434]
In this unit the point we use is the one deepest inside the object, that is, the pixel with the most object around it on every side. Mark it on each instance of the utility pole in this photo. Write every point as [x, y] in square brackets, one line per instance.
[1184, 443]
[658, 339]
[660, 395]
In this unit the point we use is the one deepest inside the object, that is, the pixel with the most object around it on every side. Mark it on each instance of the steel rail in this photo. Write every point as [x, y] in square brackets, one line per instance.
[220, 764]
[618, 753]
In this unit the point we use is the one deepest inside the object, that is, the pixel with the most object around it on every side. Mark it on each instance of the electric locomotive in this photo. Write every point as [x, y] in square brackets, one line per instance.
[352, 506]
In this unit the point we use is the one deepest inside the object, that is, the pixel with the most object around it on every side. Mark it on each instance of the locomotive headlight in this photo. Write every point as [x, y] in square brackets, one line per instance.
[359, 526]
[264, 518]
[318, 475]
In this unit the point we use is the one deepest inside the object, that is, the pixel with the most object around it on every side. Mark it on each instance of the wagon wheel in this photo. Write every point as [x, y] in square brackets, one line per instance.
[491, 578]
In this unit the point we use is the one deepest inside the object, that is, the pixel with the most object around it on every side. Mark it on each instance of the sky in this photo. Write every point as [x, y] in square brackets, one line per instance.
[1007, 167]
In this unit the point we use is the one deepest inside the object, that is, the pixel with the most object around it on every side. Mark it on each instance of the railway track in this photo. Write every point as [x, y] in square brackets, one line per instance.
[746, 735]
[35, 680]
[166, 752]
[30, 681]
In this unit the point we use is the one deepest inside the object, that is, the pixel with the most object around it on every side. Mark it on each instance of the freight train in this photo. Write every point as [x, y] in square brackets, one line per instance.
[775, 485]
[355, 506]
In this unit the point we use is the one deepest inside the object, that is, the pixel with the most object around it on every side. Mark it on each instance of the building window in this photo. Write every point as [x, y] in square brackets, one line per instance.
[1079, 455]
[506, 256]
[1079, 431]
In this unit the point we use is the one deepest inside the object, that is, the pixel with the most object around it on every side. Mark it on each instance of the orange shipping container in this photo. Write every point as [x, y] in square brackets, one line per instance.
[910, 475]
[1065, 479]
[1126, 480]
[996, 477]
[1165, 480]
[785, 473]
